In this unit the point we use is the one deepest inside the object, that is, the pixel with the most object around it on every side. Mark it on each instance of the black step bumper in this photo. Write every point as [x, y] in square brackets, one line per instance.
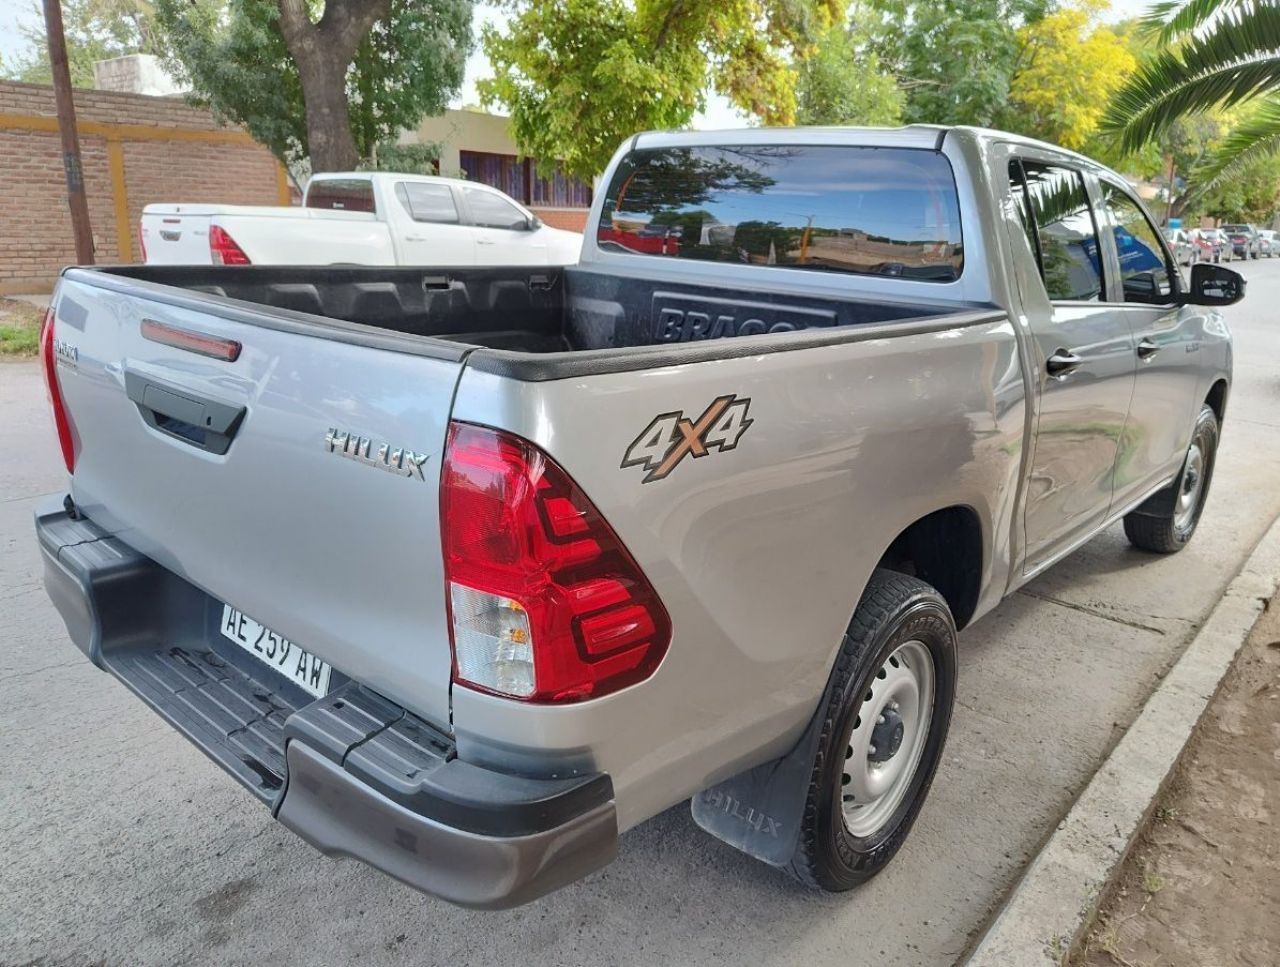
[351, 773]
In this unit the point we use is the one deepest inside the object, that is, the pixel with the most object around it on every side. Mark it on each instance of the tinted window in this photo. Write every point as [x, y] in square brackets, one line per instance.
[491, 211]
[871, 211]
[427, 203]
[341, 195]
[1145, 275]
[1019, 189]
[1067, 241]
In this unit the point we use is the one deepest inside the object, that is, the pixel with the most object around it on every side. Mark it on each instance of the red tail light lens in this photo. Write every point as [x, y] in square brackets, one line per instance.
[49, 357]
[546, 604]
[223, 248]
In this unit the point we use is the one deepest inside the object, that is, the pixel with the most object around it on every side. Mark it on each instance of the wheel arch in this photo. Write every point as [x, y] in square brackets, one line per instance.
[944, 549]
[1217, 398]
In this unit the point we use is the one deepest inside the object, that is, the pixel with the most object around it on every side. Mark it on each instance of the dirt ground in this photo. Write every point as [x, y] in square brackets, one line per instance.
[19, 329]
[1202, 885]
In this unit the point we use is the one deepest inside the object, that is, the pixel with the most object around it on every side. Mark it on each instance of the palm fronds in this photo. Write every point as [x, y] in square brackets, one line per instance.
[1171, 19]
[1255, 138]
[1235, 58]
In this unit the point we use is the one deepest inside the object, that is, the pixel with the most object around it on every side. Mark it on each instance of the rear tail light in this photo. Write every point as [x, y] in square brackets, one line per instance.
[545, 603]
[49, 350]
[223, 248]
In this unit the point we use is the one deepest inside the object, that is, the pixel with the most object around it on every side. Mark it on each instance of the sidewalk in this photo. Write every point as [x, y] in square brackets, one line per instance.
[1202, 885]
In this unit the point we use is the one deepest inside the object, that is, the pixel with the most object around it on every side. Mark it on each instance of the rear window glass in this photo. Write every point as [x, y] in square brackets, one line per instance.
[866, 211]
[338, 194]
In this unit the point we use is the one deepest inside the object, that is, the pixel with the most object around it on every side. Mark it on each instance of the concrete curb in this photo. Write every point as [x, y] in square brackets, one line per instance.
[1053, 905]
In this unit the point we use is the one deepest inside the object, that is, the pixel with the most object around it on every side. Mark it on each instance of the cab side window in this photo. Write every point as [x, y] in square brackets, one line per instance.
[1145, 273]
[490, 211]
[1055, 214]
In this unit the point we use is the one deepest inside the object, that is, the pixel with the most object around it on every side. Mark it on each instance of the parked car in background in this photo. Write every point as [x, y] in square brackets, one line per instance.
[464, 574]
[1180, 245]
[1184, 250]
[1269, 242]
[1211, 242]
[361, 218]
[1244, 241]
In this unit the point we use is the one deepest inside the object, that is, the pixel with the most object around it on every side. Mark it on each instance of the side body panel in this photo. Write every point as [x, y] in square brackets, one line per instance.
[759, 552]
[322, 238]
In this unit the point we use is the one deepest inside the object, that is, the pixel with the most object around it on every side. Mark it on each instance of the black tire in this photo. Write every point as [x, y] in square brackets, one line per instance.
[1160, 525]
[895, 609]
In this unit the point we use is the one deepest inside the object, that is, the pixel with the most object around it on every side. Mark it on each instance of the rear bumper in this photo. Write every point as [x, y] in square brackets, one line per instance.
[351, 773]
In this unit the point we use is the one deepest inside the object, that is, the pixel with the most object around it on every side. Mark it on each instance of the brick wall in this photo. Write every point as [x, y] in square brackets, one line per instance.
[136, 150]
[571, 219]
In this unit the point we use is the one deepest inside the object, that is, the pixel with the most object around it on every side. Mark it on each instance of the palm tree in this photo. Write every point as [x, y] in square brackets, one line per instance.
[1213, 53]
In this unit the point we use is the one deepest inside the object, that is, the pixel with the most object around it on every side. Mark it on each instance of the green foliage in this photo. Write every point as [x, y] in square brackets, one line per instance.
[580, 76]
[955, 59]
[841, 82]
[233, 55]
[413, 159]
[1067, 70]
[95, 30]
[1232, 56]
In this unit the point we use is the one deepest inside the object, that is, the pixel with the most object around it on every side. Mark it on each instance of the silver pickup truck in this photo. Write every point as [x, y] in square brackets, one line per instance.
[465, 572]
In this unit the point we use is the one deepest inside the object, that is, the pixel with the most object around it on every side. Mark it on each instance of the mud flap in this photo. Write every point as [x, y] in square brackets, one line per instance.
[759, 811]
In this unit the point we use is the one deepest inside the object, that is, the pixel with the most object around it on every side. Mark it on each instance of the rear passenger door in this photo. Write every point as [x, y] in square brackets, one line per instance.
[427, 227]
[1144, 290]
[1083, 354]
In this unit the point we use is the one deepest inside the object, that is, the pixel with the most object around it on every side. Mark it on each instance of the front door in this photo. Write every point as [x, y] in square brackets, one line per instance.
[1166, 346]
[504, 235]
[1085, 359]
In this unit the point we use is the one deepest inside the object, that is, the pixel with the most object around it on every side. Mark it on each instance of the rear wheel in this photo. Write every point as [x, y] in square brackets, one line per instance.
[882, 735]
[1167, 520]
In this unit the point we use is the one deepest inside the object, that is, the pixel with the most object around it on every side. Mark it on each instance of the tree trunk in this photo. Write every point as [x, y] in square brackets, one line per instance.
[330, 143]
[323, 51]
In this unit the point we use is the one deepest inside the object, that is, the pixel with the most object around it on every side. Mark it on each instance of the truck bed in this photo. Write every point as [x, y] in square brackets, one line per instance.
[534, 310]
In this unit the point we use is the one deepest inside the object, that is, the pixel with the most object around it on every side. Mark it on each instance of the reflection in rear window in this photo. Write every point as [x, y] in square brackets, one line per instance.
[868, 211]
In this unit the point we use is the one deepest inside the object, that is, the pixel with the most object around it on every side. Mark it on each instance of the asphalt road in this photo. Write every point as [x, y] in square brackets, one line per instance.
[120, 843]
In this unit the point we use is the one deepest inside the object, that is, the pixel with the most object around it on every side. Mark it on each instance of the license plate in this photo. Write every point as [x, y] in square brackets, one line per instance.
[299, 666]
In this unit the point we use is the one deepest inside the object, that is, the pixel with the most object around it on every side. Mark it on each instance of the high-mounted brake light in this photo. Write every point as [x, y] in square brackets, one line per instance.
[545, 603]
[223, 248]
[49, 350]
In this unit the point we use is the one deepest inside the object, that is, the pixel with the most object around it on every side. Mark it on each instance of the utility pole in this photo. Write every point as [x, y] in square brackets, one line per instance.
[1168, 208]
[67, 127]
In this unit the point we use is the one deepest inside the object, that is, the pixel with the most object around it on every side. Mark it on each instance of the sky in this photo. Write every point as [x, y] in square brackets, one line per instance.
[718, 114]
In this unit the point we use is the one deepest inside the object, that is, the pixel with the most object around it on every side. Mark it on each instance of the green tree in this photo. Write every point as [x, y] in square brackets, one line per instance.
[1067, 69]
[324, 81]
[841, 82]
[954, 59]
[1209, 54]
[579, 76]
[95, 30]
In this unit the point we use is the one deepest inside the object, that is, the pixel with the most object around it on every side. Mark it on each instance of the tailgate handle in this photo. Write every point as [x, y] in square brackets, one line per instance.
[199, 421]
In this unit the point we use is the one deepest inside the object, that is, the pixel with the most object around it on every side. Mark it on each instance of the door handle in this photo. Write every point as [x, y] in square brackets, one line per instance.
[481, 241]
[1147, 348]
[199, 421]
[1062, 363]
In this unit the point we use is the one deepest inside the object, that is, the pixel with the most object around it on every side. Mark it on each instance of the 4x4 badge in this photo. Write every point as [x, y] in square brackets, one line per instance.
[670, 437]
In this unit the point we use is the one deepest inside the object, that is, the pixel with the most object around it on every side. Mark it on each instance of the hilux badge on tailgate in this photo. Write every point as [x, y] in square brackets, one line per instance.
[353, 446]
[670, 437]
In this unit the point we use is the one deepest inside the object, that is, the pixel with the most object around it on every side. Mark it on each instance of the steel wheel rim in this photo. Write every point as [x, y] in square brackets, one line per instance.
[1189, 487]
[901, 692]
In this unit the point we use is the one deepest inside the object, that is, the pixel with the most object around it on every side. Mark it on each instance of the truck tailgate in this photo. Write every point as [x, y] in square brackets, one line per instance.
[315, 512]
[175, 236]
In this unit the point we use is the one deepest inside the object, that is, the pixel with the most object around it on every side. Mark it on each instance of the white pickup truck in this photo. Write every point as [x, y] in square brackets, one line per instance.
[361, 218]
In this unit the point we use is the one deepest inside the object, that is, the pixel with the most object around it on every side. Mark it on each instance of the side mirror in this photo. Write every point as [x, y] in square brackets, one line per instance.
[534, 223]
[1214, 285]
